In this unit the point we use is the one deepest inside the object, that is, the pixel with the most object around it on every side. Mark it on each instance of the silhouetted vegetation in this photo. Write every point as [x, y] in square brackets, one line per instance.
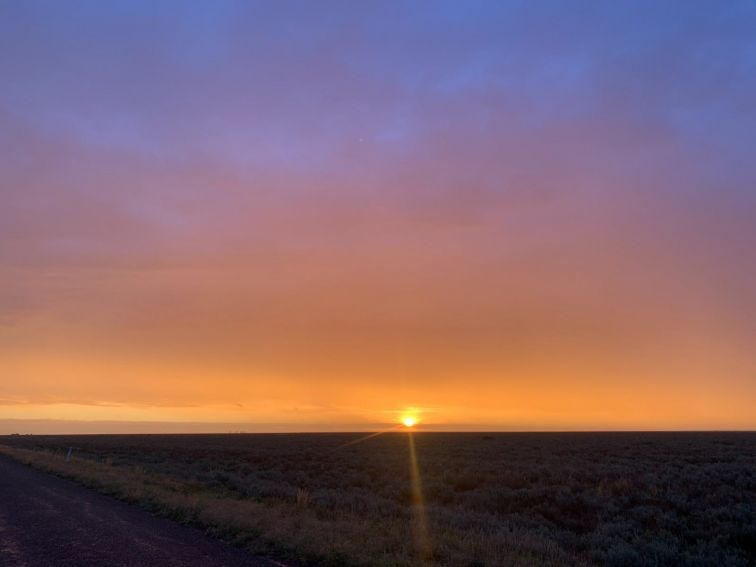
[615, 499]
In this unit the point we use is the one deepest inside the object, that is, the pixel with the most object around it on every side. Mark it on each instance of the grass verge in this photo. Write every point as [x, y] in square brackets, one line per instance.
[295, 532]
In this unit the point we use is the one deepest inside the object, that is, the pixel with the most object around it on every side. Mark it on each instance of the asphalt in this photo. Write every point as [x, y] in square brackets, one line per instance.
[50, 521]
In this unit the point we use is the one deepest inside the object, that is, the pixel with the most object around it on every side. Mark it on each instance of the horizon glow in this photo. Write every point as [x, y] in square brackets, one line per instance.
[308, 216]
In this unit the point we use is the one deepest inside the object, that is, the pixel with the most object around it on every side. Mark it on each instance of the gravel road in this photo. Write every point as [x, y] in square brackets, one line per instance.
[49, 521]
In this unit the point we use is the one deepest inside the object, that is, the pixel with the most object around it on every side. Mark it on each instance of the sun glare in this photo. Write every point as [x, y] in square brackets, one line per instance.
[409, 421]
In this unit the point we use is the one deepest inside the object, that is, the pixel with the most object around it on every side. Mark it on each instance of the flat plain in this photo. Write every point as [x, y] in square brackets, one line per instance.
[452, 499]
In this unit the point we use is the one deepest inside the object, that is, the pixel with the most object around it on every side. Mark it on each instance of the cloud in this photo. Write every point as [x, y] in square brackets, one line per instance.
[213, 204]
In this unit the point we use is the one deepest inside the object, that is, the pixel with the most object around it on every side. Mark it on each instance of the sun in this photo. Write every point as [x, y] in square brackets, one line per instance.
[409, 421]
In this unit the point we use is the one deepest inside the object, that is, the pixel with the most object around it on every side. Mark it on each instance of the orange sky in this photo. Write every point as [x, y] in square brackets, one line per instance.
[276, 227]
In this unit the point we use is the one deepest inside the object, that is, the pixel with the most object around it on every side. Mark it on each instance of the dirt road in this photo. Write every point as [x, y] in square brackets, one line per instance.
[49, 521]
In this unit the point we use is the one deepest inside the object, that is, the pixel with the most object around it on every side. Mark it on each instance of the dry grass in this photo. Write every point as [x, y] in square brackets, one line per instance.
[620, 500]
[294, 530]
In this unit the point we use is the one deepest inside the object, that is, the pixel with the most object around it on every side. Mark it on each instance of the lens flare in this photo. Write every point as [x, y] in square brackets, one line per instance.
[420, 521]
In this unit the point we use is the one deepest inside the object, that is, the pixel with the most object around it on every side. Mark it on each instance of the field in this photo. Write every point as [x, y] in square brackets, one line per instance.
[545, 499]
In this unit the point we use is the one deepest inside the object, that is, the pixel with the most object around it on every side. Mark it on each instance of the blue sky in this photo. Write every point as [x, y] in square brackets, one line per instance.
[396, 198]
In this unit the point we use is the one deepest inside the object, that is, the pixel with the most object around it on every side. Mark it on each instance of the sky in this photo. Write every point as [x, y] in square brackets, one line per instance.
[303, 216]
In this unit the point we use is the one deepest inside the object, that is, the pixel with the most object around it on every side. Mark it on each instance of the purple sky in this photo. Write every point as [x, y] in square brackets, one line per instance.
[502, 214]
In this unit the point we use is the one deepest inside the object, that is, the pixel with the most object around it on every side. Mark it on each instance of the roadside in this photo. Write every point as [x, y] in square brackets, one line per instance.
[50, 521]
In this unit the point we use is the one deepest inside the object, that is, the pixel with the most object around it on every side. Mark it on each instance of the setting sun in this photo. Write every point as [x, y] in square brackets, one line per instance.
[486, 294]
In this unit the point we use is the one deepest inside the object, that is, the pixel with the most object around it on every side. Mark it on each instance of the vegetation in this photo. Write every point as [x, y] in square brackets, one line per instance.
[616, 499]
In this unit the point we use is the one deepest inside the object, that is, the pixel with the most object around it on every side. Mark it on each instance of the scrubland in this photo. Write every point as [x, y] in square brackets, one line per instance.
[520, 499]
